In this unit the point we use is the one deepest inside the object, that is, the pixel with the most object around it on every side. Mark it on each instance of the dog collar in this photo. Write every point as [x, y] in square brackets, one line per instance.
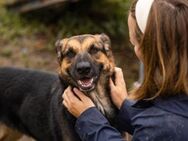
[142, 11]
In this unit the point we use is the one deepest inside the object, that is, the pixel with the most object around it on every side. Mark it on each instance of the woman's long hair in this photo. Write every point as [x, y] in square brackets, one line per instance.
[164, 47]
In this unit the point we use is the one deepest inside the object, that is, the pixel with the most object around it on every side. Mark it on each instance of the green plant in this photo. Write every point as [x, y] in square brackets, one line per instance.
[93, 16]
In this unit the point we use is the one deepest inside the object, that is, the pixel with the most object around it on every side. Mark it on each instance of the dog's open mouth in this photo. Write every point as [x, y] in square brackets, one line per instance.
[86, 84]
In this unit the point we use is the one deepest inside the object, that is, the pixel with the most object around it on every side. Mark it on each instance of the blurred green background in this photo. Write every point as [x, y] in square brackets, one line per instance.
[27, 40]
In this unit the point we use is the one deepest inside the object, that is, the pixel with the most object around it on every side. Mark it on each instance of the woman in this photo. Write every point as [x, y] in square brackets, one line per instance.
[158, 109]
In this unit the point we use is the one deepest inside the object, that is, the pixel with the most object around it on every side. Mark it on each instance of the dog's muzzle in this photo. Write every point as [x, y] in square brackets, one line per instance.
[85, 76]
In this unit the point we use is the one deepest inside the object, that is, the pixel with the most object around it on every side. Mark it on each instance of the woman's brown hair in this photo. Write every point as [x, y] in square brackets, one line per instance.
[164, 46]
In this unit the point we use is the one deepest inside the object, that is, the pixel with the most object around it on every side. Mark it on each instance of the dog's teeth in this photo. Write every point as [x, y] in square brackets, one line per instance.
[86, 82]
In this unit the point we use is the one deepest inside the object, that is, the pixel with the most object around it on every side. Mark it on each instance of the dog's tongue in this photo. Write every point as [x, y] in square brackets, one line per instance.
[86, 81]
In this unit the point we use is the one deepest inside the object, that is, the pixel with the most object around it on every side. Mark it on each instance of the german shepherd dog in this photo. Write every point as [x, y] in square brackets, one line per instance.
[31, 101]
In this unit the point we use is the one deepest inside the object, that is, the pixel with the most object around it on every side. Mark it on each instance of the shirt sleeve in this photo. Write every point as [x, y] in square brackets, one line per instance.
[124, 118]
[93, 126]
[128, 110]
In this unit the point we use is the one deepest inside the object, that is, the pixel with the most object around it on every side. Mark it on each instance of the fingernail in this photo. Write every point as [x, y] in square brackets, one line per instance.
[75, 89]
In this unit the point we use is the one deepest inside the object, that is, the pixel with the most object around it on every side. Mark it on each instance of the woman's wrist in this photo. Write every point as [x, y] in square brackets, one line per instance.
[121, 103]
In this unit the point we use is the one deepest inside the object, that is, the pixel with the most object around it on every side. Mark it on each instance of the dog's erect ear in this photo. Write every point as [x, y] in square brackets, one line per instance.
[107, 48]
[106, 45]
[58, 45]
[106, 40]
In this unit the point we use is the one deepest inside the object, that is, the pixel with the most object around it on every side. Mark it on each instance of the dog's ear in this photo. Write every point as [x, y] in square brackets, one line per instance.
[58, 45]
[107, 48]
[106, 40]
[106, 44]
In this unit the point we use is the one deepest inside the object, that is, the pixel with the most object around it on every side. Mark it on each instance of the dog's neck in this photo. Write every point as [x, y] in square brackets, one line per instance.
[101, 98]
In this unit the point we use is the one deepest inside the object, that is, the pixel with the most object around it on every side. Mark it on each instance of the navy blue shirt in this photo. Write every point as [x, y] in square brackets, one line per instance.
[160, 120]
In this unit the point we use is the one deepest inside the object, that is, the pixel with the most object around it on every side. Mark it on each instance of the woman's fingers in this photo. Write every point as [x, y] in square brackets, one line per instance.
[75, 101]
[69, 98]
[118, 88]
[112, 85]
[85, 100]
[119, 78]
[79, 94]
[65, 103]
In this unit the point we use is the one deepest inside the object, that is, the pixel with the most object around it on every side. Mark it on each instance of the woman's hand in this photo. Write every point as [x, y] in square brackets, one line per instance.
[76, 102]
[118, 88]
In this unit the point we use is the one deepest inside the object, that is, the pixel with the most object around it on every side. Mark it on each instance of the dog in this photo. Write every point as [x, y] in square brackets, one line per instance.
[31, 100]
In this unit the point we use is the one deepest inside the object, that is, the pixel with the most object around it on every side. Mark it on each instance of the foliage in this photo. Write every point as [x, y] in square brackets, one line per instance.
[96, 16]
[13, 26]
[85, 16]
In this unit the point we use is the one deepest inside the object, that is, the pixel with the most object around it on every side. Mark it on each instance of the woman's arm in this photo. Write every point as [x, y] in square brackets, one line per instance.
[91, 125]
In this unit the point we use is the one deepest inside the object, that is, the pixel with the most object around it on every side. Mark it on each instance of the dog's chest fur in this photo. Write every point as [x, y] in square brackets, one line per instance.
[101, 98]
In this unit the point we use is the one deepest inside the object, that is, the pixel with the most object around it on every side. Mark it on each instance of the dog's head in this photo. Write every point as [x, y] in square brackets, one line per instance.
[84, 58]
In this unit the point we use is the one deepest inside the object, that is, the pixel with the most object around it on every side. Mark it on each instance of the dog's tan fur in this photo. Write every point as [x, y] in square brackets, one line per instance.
[81, 44]
[8, 134]
[79, 47]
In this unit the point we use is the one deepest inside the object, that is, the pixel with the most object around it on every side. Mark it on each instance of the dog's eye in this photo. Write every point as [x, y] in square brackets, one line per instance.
[93, 49]
[70, 54]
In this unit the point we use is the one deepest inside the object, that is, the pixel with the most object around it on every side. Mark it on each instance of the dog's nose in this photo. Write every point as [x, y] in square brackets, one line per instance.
[83, 68]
